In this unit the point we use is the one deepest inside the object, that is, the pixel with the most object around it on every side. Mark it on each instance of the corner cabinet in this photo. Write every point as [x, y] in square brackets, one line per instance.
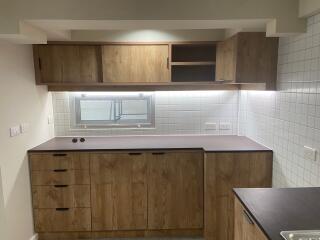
[152, 193]
[248, 58]
[223, 172]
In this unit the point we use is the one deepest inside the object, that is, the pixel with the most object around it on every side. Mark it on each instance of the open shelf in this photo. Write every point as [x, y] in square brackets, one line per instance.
[196, 73]
[207, 63]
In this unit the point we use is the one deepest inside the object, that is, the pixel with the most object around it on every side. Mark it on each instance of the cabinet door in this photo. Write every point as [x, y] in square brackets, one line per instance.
[226, 59]
[224, 171]
[67, 63]
[135, 63]
[118, 191]
[245, 228]
[175, 190]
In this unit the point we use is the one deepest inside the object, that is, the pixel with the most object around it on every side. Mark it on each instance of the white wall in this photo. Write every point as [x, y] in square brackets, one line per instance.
[21, 101]
[288, 119]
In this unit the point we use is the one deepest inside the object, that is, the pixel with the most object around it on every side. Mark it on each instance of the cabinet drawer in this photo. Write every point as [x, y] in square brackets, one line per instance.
[66, 177]
[61, 196]
[62, 220]
[58, 161]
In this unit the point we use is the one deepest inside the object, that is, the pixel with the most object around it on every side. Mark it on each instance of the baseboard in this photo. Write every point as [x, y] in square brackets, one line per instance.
[35, 237]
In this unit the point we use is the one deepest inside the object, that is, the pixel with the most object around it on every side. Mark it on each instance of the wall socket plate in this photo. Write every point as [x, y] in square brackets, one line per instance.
[211, 126]
[24, 127]
[15, 131]
[310, 153]
[225, 126]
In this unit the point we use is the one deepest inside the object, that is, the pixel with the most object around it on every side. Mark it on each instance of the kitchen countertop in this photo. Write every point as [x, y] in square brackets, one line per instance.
[209, 143]
[282, 209]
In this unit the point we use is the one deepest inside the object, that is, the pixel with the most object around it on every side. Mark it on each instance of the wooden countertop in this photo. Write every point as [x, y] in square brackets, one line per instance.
[282, 209]
[209, 143]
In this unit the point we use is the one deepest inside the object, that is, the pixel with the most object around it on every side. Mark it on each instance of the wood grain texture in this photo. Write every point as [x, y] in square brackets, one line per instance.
[224, 171]
[58, 161]
[121, 234]
[244, 228]
[73, 196]
[73, 219]
[68, 63]
[70, 177]
[118, 191]
[135, 63]
[175, 190]
[257, 59]
[248, 58]
[226, 59]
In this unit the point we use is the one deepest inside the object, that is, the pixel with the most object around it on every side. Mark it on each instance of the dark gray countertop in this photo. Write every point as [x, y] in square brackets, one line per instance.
[282, 209]
[209, 143]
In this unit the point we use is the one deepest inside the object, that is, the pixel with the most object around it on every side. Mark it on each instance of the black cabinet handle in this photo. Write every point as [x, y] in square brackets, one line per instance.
[158, 153]
[60, 170]
[137, 153]
[61, 186]
[62, 209]
[248, 217]
[59, 154]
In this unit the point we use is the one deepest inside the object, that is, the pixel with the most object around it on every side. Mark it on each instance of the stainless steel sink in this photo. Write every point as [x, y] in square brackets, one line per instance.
[301, 235]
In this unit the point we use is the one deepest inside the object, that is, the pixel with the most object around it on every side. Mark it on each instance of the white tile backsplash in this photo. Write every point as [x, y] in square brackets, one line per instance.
[185, 112]
[289, 119]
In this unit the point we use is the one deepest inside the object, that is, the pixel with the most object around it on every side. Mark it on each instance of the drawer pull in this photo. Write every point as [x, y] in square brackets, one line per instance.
[158, 153]
[135, 153]
[62, 209]
[248, 217]
[60, 170]
[59, 154]
[61, 186]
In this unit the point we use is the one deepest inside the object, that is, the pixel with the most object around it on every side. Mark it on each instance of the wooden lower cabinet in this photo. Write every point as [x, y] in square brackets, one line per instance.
[62, 220]
[175, 190]
[245, 227]
[141, 193]
[119, 191]
[223, 172]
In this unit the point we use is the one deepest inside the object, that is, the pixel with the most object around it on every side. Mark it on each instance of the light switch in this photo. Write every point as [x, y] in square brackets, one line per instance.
[15, 131]
[309, 153]
[225, 126]
[24, 127]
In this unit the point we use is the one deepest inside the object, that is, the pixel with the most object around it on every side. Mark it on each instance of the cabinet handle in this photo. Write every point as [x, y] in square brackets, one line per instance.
[60, 170]
[59, 154]
[248, 217]
[135, 153]
[168, 63]
[62, 209]
[40, 63]
[158, 153]
[61, 186]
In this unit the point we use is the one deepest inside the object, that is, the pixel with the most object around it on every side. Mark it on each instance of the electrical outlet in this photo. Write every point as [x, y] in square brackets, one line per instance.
[310, 153]
[15, 131]
[225, 126]
[211, 126]
[24, 127]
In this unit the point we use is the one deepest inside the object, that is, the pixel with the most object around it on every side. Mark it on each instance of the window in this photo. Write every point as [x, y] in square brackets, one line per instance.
[113, 110]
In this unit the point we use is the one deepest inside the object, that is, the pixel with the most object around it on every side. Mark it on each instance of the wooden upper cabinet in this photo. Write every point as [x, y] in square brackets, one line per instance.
[118, 191]
[223, 172]
[135, 63]
[67, 63]
[248, 58]
[175, 190]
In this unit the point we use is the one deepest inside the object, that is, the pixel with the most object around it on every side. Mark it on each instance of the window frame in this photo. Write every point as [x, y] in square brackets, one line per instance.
[77, 123]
